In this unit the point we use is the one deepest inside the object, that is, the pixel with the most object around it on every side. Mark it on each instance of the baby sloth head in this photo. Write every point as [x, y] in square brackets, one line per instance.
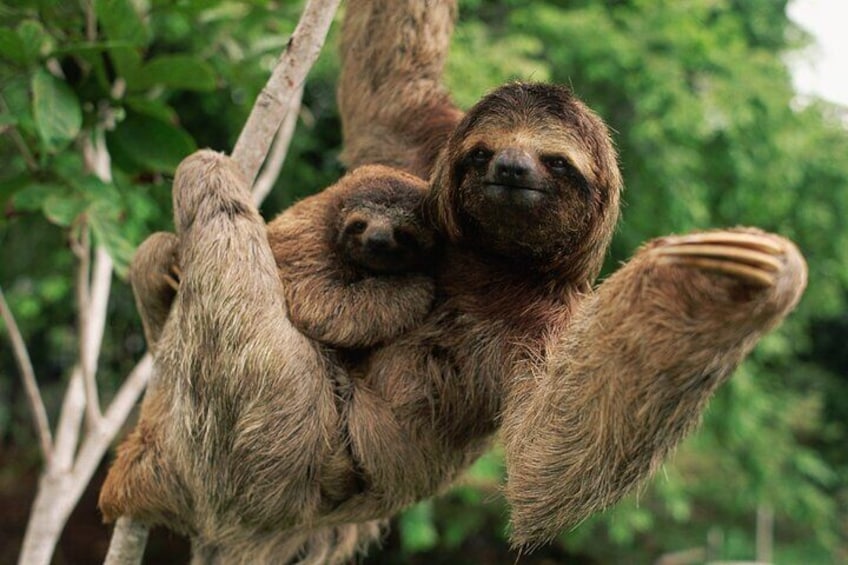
[380, 224]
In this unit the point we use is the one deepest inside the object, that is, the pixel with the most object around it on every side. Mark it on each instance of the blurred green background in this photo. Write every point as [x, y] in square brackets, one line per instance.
[710, 134]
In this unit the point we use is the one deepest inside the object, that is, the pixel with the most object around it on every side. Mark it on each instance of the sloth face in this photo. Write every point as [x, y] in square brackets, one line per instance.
[385, 240]
[529, 173]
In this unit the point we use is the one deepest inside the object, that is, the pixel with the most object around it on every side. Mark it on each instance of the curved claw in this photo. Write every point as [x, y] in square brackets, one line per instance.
[174, 276]
[739, 239]
[753, 258]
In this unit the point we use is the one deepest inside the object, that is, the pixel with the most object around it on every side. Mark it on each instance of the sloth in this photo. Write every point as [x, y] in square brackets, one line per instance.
[250, 447]
[364, 276]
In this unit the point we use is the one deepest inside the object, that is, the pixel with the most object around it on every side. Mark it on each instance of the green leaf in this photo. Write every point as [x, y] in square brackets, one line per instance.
[95, 190]
[32, 197]
[152, 143]
[127, 61]
[57, 112]
[16, 94]
[62, 210]
[109, 232]
[153, 108]
[175, 71]
[34, 39]
[121, 22]
[416, 528]
[12, 48]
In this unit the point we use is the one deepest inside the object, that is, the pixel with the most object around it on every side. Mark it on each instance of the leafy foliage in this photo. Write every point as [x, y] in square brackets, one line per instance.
[710, 134]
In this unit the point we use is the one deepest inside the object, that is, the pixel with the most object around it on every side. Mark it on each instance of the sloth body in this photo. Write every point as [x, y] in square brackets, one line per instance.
[256, 441]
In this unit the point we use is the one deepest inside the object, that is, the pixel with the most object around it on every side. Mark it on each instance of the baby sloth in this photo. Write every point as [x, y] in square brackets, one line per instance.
[364, 278]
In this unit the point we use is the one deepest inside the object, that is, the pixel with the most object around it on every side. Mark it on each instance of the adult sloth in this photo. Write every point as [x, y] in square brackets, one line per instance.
[590, 388]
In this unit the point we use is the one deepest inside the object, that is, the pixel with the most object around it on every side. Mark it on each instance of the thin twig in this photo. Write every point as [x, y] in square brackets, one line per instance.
[97, 160]
[90, 21]
[36, 404]
[279, 149]
[82, 249]
[93, 285]
[288, 75]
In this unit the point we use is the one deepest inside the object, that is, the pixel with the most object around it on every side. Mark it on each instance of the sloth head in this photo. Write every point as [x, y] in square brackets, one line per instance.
[380, 226]
[530, 174]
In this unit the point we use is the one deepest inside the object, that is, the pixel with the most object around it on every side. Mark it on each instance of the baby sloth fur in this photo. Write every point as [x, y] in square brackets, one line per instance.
[356, 259]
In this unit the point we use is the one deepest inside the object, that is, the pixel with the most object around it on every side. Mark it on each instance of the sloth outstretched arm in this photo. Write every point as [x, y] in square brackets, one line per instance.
[395, 110]
[628, 376]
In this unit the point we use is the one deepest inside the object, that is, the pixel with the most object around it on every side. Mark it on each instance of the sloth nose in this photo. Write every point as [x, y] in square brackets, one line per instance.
[379, 240]
[513, 164]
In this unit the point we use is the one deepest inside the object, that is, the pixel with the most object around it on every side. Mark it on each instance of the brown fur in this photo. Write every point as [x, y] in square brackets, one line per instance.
[390, 86]
[523, 340]
[340, 289]
[276, 449]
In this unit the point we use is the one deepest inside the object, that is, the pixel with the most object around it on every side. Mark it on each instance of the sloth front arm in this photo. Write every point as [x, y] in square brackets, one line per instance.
[629, 375]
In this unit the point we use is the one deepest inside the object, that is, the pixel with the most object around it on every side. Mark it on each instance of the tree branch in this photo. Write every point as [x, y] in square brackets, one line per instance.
[36, 404]
[129, 392]
[93, 284]
[82, 249]
[128, 541]
[279, 149]
[101, 283]
[70, 418]
[288, 76]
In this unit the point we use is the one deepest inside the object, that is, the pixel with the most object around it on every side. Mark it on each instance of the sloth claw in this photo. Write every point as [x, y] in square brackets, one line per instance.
[747, 240]
[173, 277]
[752, 258]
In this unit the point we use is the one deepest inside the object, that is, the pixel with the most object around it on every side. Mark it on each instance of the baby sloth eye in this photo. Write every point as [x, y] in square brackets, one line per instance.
[405, 238]
[356, 227]
[480, 156]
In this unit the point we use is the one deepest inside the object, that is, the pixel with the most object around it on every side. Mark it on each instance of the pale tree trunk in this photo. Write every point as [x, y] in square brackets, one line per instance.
[64, 481]
[47, 519]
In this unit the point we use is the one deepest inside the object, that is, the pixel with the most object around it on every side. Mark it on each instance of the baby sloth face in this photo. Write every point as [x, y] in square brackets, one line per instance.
[385, 239]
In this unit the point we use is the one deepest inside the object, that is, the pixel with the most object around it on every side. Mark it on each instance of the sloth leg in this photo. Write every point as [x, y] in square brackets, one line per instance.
[253, 405]
[154, 276]
[140, 482]
[629, 375]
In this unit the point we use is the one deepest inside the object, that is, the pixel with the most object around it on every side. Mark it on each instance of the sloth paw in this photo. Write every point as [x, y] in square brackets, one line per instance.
[754, 258]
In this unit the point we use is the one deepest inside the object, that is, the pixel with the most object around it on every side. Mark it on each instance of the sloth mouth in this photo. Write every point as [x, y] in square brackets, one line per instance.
[498, 186]
[529, 197]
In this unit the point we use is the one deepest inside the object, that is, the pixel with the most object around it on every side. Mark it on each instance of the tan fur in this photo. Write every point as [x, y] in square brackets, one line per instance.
[332, 297]
[277, 451]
